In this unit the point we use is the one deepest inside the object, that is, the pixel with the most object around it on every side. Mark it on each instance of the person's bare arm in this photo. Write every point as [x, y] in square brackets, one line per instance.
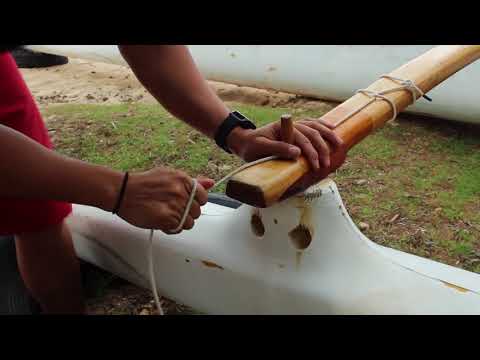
[31, 171]
[171, 76]
[153, 199]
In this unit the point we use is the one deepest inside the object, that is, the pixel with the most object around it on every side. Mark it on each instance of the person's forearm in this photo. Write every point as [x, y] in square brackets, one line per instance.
[30, 171]
[171, 76]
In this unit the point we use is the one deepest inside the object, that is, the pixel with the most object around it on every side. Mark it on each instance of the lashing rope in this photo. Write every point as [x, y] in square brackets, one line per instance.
[407, 84]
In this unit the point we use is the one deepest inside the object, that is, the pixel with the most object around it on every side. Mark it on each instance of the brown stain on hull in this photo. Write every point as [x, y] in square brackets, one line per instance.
[298, 259]
[257, 224]
[301, 236]
[211, 264]
[458, 288]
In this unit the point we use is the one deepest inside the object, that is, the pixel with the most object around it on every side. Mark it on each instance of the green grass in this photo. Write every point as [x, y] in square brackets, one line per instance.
[148, 136]
[426, 172]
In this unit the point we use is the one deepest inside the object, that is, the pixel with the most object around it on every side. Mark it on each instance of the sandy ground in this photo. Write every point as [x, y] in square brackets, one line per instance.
[82, 81]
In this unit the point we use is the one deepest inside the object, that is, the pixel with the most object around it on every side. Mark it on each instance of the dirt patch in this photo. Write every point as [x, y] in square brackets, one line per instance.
[109, 295]
[83, 82]
[123, 298]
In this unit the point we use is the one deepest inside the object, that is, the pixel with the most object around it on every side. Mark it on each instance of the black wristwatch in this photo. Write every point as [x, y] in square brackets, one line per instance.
[233, 120]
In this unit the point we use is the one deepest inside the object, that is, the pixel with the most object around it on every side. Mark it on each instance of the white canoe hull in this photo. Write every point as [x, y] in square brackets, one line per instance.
[222, 267]
[321, 71]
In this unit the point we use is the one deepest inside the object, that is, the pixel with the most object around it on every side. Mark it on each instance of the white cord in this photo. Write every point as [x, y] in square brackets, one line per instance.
[152, 274]
[187, 208]
[151, 270]
[407, 84]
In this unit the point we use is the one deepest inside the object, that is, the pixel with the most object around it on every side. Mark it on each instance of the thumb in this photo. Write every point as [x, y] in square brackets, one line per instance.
[282, 149]
[207, 183]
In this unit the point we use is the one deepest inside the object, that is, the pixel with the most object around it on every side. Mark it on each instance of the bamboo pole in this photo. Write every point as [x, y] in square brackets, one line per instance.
[264, 184]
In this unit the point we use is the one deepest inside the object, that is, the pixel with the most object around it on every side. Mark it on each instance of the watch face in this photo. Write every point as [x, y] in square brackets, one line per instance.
[239, 115]
[243, 121]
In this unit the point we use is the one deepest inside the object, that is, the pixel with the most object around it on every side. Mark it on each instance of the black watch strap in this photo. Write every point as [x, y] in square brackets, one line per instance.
[233, 120]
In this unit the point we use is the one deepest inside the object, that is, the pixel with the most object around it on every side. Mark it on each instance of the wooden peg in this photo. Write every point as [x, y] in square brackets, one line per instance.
[287, 128]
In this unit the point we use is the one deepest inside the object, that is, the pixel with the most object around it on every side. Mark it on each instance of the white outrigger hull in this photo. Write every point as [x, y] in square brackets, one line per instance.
[321, 71]
[223, 267]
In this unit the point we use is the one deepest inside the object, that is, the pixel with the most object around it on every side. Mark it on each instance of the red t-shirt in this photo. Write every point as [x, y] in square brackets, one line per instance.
[19, 111]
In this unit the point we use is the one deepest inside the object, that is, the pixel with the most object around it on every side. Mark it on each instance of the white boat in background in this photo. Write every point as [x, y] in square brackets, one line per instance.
[332, 72]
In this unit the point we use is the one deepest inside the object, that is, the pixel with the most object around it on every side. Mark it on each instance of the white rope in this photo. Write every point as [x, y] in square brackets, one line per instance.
[243, 167]
[378, 95]
[151, 273]
[405, 84]
[409, 85]
[188, 207]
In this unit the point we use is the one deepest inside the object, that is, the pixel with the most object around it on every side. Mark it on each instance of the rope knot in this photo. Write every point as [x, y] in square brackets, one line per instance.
[409, 85]
[405, 84]
[379, 95]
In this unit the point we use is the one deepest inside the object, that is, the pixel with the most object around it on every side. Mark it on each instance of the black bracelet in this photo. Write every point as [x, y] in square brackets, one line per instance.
[120, 195]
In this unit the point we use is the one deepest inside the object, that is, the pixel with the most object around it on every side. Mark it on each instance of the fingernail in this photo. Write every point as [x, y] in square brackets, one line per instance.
[294, 151]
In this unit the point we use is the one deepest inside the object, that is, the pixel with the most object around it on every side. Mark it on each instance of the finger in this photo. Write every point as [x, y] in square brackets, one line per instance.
[331, 136]
[318, 143]
[265, 146]
[307, 149]
[188, 224]
[206, 182]
[201, 195]
[173, 216]
[173, 223]
[195, 211]
[184, 185]
[325, 122]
